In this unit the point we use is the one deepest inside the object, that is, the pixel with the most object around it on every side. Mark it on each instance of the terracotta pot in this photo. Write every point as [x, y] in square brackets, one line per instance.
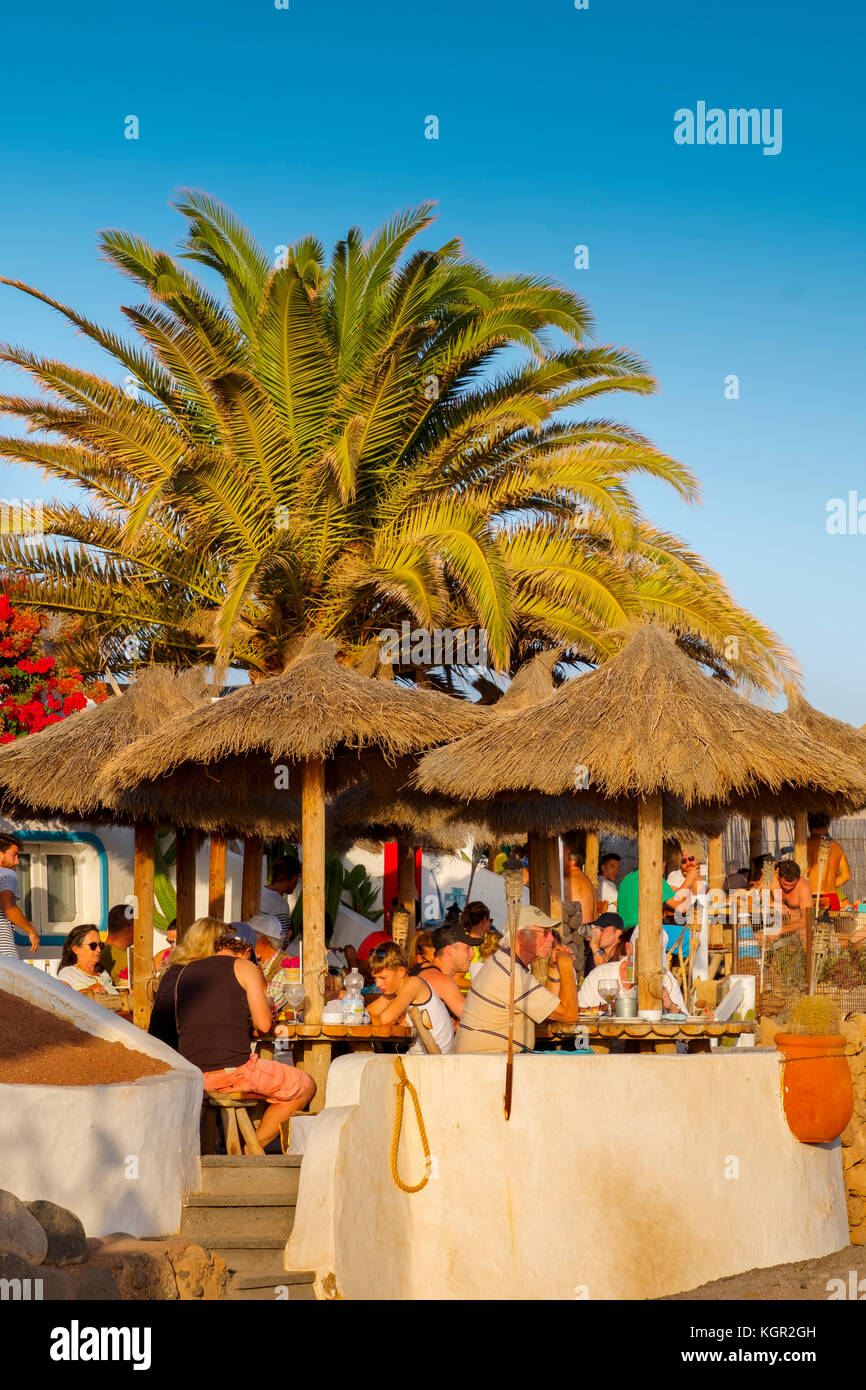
[817, 1090]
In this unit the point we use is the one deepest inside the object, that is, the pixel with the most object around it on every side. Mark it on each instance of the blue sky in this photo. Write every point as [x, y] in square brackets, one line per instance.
[555, 129]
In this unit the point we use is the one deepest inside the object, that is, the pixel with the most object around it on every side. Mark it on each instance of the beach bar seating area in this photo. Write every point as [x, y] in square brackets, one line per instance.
[647, 746]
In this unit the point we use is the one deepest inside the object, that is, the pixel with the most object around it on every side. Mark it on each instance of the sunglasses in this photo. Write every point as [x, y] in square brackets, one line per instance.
[380, 952]
[93, 945]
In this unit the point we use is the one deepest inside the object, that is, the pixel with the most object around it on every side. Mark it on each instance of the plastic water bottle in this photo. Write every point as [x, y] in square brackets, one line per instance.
[353, 1000]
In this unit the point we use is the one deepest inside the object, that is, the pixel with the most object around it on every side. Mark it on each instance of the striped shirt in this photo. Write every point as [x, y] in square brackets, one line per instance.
[8, 884]
[484, 1024]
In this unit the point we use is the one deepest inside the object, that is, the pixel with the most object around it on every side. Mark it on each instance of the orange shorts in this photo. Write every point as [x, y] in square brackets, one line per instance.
[272, 1081]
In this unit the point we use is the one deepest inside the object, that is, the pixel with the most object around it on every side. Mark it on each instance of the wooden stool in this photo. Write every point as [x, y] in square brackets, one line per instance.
[234, 1113]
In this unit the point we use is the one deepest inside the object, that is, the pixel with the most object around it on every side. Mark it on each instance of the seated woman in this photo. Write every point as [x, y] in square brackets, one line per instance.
[200, 940]
[79, 960]
[401, 991]
[218, 1000]
[617, 968]
[489, 945]
[476, 921]
[423, 951]
[160, 960]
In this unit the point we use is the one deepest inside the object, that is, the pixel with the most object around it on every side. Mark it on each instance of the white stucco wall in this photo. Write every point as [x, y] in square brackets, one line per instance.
[122, 1156]
[614, 1178]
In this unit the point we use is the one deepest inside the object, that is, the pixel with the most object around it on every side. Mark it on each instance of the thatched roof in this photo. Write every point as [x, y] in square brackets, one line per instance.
[647, 721]
[56, 771]
[254, 740]
[848, 741]
[532, 682]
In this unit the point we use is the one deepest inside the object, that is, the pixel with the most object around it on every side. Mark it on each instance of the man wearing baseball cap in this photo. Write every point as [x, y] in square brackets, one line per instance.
[453, 949]
[484, 1023]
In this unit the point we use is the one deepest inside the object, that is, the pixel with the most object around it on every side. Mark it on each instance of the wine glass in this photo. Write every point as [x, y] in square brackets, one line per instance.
[293, 997]
[609, 989]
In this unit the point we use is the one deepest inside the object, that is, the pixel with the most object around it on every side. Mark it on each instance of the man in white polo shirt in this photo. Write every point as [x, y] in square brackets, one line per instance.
[285, 874]
[484, 1021]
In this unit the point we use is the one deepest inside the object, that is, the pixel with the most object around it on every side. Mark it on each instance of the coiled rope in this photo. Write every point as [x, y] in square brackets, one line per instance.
[404, 1084]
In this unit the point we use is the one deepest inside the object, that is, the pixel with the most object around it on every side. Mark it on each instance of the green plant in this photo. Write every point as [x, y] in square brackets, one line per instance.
[360, 887]
[814, 1016]
[334, 875]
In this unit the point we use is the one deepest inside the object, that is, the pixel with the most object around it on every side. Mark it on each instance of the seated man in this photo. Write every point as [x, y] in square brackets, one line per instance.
[453, 950]
[617, 968]
[401, 991]
[216, 1001]
[273, 960]
[796, 894]
[603, 943]
[484, 1022]
[118, 939]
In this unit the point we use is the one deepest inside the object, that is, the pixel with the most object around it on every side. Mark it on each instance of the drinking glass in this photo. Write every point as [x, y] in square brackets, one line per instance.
[609, 989]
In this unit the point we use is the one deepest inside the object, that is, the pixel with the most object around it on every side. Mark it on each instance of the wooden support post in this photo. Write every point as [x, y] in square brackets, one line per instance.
[316, 1056]
[554, 870]
[187, 845]
[756, 838]
[650, 848]
[592, 850]
[142, 941]
[251, 880]
[801, 836]
[216, 888]
[539, 872]
[715, 863]
[716, 917]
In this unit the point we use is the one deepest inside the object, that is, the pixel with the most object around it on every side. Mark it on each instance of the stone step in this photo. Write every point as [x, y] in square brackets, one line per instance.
[298, 1293]
[271, 1286]
[236, 1218]
[250, 1255]
[272, 1173]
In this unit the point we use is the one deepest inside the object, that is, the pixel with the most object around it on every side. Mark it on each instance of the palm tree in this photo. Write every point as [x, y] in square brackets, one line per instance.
[334, 446]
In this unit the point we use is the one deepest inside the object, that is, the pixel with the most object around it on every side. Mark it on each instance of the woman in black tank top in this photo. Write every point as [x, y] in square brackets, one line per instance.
[213, 1016]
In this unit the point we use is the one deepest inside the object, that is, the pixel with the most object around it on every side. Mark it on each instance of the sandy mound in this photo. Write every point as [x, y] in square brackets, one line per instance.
[39, 1049]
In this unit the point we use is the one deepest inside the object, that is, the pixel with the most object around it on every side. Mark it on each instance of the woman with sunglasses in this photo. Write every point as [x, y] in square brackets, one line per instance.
[79, 962]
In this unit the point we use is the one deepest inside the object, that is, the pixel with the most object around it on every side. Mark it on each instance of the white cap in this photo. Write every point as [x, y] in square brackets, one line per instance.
[533, 917]
[263, 924]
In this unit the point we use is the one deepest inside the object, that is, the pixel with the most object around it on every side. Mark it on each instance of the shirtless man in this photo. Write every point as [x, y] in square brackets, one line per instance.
[796, 896]
[452, 953]
[835, 872]
[580, 888]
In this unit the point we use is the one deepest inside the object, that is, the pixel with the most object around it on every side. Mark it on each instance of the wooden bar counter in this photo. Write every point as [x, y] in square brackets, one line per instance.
[644, 1035]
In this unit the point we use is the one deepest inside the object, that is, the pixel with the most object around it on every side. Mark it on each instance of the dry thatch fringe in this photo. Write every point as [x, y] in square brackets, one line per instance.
[648, 720]
[422, 816]
[844, 738]
[56, 772]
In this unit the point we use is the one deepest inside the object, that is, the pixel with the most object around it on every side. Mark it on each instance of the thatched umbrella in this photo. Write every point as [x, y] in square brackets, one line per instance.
[282, 734]
[646, 723]
[848, 745]
[57, 774]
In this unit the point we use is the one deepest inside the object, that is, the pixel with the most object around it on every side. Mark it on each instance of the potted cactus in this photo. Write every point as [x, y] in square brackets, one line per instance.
[817, 1091]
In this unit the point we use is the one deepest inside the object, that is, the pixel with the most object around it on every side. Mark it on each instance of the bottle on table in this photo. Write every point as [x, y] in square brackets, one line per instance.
[353, 999]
